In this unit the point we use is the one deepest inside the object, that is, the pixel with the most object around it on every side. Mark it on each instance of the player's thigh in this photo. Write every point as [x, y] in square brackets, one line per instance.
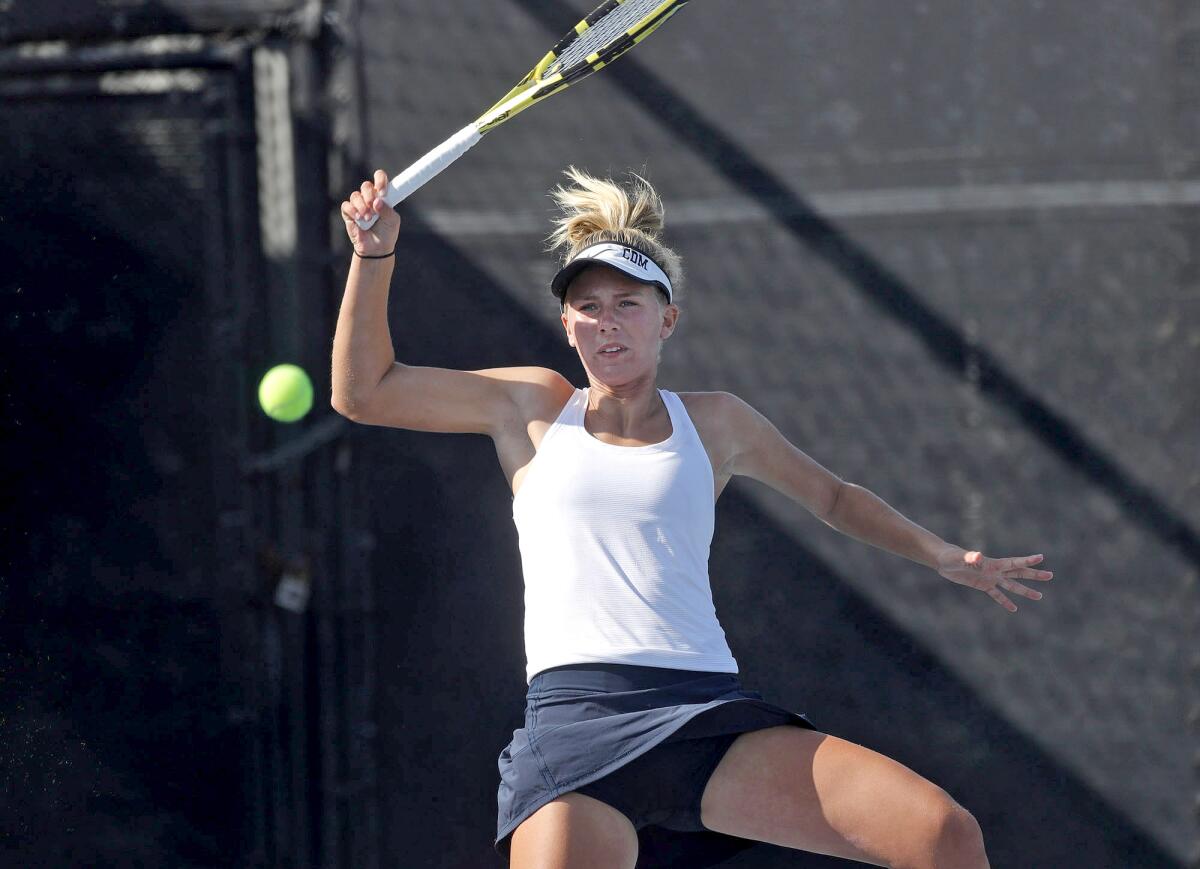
[808, 790]
[574, 832]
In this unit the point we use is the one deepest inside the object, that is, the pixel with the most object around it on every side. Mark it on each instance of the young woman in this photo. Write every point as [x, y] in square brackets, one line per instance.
[640, 746]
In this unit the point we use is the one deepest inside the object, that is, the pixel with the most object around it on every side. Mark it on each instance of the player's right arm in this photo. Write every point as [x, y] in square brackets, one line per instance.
[370, 386]
[449, 400]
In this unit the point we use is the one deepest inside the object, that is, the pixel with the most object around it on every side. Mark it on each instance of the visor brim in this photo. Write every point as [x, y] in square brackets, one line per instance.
[571, 270]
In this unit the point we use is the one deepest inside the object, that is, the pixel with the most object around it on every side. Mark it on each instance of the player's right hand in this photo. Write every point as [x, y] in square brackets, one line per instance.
[368, 199]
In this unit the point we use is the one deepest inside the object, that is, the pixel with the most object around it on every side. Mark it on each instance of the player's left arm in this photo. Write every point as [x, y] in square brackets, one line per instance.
[758, 450]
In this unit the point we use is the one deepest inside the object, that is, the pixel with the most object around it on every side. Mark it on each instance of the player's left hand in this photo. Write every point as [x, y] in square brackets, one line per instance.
[992, 575]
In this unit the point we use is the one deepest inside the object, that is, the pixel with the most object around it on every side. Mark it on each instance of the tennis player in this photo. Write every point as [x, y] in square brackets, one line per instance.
[640, 746]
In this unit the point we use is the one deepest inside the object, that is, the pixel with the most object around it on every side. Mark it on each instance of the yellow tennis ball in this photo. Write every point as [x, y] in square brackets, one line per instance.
[285, 393]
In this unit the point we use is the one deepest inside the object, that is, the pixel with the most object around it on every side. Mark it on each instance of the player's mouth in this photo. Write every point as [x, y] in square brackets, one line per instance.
[608, 351]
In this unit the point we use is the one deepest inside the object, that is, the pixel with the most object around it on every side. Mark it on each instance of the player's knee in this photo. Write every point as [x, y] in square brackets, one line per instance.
[958, 840]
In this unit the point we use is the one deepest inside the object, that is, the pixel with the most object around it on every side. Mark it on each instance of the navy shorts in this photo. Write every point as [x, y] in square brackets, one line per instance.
[645, 740]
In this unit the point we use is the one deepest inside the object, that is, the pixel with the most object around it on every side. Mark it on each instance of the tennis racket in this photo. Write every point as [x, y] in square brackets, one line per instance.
[609, 31]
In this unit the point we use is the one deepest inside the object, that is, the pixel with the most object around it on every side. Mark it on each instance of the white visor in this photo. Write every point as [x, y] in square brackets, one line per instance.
[620, 256]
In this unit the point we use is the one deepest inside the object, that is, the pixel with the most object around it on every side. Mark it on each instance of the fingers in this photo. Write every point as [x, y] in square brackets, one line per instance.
[367, 192]
[1008, 584]
[355, 209]
[998, 596]
[1013, 567]
[368, 200]
[363, 199]
[1016, 588]
[1018, 568]
[358, 206]
[1026, 573]
[1006, 571]
[372, 192]
[354, 206]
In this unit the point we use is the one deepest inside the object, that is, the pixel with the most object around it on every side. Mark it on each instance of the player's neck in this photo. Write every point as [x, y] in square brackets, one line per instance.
[625, 408]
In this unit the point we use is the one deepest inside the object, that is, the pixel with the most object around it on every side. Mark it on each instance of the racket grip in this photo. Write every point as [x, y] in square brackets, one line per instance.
[416, 175]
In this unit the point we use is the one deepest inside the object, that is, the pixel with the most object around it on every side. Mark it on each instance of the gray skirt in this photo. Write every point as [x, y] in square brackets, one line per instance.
[644, 739]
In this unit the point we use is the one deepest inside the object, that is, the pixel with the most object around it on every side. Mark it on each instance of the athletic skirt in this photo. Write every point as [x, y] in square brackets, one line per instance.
[643, 739]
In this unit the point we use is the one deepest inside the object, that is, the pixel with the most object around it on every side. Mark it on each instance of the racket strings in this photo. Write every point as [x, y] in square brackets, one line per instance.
[601, 33]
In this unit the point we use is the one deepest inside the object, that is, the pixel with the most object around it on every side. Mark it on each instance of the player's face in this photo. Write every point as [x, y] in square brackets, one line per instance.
[616, 322]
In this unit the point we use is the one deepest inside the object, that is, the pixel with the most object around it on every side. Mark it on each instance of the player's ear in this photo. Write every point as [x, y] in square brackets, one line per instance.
[670, 318]
[570, 340]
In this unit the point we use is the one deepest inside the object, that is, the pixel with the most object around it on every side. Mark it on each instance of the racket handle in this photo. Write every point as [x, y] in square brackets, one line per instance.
[416, 175]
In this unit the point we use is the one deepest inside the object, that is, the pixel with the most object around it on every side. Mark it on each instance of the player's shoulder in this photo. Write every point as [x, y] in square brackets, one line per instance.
[715, 414]
[536, 392]
[718, 405]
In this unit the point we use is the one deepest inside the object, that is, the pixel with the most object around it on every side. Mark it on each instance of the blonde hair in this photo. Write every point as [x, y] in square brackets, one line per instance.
[595, 210]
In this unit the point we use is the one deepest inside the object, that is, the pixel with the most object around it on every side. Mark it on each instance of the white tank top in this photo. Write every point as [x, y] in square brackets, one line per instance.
[614, 548]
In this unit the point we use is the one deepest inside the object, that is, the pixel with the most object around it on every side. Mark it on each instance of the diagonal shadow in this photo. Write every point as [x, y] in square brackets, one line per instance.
[850, 667]
[685, 124]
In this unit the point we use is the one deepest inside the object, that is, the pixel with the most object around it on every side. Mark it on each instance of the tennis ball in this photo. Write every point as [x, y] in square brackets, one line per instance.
[285, 393]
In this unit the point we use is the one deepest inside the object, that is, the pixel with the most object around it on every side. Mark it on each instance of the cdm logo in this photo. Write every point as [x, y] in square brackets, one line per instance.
[634, 257]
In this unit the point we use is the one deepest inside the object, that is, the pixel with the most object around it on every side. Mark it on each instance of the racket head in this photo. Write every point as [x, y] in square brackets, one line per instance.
[607, 32]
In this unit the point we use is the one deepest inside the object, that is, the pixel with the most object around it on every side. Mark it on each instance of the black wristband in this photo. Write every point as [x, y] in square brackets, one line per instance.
[380, 256]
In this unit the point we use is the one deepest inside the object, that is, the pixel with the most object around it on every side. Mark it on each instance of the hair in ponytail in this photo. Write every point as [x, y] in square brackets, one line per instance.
[594, 210]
